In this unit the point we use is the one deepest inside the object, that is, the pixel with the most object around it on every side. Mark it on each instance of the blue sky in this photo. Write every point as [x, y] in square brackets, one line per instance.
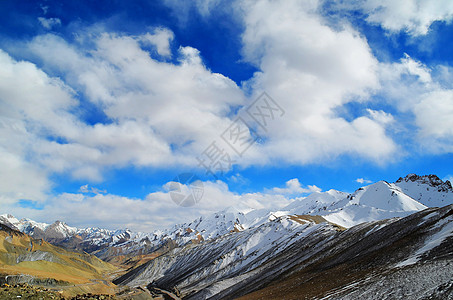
[103, 103]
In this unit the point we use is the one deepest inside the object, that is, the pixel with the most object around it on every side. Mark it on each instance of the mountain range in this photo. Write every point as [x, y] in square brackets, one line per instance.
[379, 233]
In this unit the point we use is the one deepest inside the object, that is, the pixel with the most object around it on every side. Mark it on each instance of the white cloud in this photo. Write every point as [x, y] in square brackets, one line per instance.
[381, 116]
[160, 107]
[294, 187]
[413, 88]
[412, 16]
[311, 69]
[434, 114]
[362, 181]
[152, 106]
[87, 189]
[161, 39]
[155, 211]
[48, 23]
[20, 180]
[32, 105]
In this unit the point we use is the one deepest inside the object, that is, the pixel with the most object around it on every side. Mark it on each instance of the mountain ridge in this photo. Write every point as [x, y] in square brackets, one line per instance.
[380, 200]
[231, 254]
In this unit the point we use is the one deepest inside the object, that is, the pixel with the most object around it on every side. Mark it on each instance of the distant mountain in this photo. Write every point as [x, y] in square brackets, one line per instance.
[378, 201]
[428, 190]
[57, 230]
[24, 259]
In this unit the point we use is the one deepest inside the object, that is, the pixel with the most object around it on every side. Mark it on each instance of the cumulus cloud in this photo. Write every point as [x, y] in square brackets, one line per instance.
[413, 88]
[87, 189]
[413, 16]
[434, 113]
[294, 187]
[156, 210]
[161, 39]
[151, 106]
[311, 77]
[158, 114]
[32, 105]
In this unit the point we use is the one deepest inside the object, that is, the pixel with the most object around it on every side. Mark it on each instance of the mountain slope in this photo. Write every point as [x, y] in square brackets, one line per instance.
[295, 258]
[408, 258]
[23, 258]
[196, 266]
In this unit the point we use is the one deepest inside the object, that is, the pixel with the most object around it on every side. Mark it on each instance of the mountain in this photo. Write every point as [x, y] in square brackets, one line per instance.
[329, 244]
[294, 257]
[408, 258]
[57, 230]
[378, 201]
[29, 260]
[428, 190]
[381, 200]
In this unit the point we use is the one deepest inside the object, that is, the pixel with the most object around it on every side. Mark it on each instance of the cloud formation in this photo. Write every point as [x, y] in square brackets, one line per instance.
[156, 210]
[412, 16]
[158, 106]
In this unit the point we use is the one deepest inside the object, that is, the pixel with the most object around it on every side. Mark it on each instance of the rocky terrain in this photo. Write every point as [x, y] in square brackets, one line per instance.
[384, 241]
[25, 260]
[291, 257]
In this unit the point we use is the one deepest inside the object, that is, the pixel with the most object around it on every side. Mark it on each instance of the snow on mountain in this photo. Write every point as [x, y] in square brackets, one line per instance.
[211, 226]
[106, 243]
[428, 189]
[228, 254]
[381, 200]
[377, 201]
[10, 221]
[289, 257]
[315, 202]
[56, 230]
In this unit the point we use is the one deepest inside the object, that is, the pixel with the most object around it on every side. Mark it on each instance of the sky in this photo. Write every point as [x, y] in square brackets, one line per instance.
[104, 104]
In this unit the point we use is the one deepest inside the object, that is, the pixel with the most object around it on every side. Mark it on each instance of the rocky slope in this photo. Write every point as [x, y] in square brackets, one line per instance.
[24, 259]
[294, 258]
[409, 258]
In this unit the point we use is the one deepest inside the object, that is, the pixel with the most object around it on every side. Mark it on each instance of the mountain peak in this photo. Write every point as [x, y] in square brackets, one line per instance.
[429, 190]
[431, 180]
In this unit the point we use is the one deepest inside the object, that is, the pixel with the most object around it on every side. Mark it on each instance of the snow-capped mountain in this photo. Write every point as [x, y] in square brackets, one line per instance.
[428, 190]
[381, 200]
[106, 243]
[378, 201]
[57, 230]
[294, 258]
[374, 231]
